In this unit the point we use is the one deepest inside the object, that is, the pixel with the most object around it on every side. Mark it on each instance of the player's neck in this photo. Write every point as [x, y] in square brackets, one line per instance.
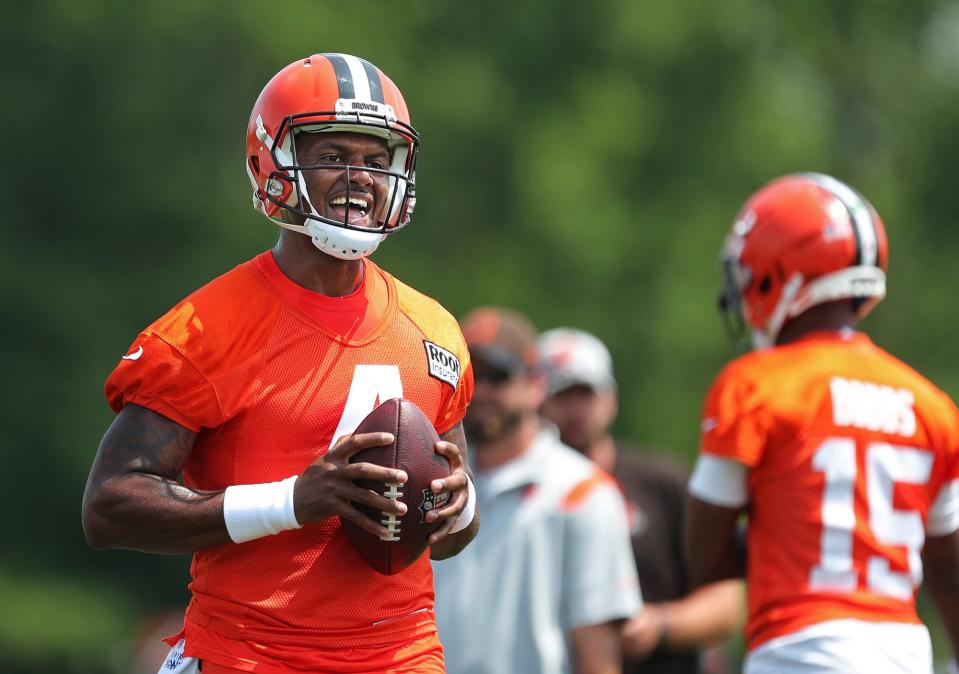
[504, 450]
[829, 317]
[310, 268]
[602, 452]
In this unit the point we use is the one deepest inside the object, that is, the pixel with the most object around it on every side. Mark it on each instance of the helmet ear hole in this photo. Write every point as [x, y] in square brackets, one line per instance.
[766, 284]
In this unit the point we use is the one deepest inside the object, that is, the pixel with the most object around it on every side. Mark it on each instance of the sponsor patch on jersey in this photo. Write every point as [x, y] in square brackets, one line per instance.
[443, 364]
[431, 501]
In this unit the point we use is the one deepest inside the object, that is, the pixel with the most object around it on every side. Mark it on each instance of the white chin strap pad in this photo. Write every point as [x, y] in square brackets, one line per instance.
[346, 244]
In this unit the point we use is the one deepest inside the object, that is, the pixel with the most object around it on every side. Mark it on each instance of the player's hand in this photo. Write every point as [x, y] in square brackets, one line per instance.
[645, 632]
[455, 485]
[326, 487]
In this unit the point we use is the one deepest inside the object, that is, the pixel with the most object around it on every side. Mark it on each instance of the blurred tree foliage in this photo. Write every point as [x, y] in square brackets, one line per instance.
[581, 162]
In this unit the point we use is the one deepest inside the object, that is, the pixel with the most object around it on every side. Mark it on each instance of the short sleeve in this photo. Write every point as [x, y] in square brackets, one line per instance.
[158, 376]
[455, 410]
[442, 332]
[721, 482]
[735, 421]
[599, 574]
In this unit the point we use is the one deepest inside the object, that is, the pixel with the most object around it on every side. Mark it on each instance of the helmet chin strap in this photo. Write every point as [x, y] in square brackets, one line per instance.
[865, 281]
[766, 337]
[339, 242]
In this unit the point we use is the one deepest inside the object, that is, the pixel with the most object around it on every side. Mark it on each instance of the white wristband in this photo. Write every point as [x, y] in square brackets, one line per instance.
[465, 518]
[257, 510]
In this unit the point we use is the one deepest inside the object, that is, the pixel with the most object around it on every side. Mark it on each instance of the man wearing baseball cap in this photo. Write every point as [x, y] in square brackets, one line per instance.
[549, 580]
[667, 635]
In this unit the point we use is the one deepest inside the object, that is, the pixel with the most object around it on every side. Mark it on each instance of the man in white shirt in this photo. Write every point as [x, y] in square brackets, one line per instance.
[546, 584]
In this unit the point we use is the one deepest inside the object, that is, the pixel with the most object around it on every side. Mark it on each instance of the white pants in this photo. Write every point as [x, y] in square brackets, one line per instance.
[175, 663]
[846, 647]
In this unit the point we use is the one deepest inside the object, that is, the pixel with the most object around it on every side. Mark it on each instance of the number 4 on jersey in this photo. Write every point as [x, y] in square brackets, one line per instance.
[371, 385]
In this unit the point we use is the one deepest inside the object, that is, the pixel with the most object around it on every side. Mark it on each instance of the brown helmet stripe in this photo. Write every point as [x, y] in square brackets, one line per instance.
[373, 76]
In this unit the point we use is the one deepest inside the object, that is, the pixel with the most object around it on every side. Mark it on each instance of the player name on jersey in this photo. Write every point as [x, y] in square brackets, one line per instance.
[873, 407]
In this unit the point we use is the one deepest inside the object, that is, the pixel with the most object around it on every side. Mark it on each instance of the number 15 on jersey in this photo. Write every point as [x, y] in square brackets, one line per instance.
[886, 465]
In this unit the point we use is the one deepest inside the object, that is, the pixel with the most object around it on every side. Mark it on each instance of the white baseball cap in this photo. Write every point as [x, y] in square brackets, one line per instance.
[573, 357]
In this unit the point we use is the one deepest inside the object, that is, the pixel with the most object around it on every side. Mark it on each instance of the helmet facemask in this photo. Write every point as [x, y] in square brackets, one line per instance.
[735, 278]
[730, 303]
[297, 210]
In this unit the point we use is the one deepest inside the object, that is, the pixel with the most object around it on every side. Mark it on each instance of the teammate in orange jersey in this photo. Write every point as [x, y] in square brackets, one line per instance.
[845, 459]
[251, 387]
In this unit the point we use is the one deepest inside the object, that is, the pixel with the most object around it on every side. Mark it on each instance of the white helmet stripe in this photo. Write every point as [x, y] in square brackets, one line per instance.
[867, 231]
[860, 215]
[361, 83]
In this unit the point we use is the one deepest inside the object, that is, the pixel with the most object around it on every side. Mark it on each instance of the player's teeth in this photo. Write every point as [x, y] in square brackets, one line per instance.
[354, 201]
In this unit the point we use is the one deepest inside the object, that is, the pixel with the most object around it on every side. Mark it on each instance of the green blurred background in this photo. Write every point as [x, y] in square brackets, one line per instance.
[581, 162]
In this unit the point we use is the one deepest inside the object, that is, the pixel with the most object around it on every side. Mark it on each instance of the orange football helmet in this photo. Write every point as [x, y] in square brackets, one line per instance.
[329, 92]
[801, 240]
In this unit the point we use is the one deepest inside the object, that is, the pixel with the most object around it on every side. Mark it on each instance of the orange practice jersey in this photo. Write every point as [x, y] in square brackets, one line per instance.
[270, 374]
[847, 448]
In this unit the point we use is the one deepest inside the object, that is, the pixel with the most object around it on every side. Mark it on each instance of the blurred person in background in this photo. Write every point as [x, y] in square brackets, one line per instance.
[547, 583]
[845, 458]
[674, 625]
[252, 386]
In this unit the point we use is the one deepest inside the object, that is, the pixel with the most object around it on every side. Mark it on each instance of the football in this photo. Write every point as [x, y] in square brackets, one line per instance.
[412, 450]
